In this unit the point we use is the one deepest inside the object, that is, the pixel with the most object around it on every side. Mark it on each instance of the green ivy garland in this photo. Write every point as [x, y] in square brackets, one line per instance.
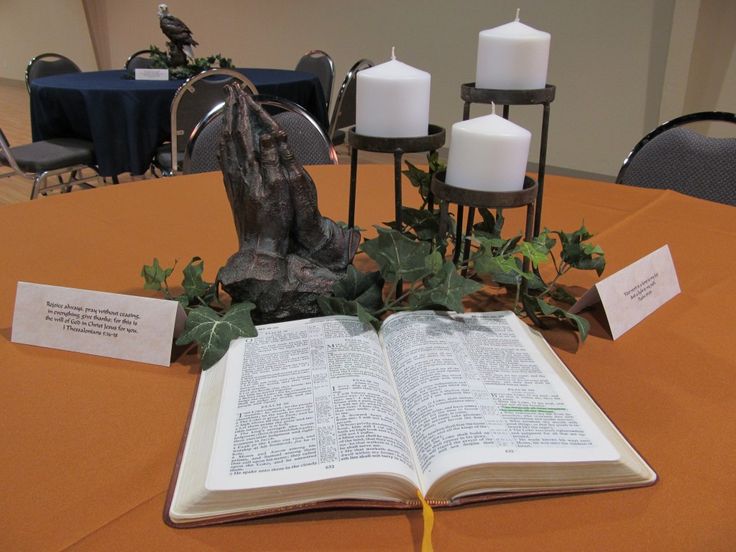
[161, 60]
[415, 254]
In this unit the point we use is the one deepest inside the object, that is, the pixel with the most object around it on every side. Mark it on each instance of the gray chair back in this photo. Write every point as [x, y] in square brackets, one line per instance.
[306, 139]
[320, 64]
[203, 148]
[675, 157]
[48, 64]
[139, 60]
[343, 113]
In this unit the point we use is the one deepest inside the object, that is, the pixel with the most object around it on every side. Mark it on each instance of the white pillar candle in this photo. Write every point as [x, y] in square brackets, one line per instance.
[392, 100]
[488, 154]
[513, 56]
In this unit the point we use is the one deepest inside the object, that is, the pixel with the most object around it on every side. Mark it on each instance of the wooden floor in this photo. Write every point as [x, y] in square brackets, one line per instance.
[15, 121]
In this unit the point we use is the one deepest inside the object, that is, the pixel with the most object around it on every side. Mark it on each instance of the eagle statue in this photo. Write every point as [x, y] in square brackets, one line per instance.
[182, 44]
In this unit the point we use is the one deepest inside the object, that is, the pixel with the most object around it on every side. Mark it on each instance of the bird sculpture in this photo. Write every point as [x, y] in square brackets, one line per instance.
[181, 43]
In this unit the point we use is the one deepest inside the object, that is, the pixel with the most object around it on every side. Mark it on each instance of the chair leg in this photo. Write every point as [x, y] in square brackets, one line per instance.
[38, 182]
[66, 189]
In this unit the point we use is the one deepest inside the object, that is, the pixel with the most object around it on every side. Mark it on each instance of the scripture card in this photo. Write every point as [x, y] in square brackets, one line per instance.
[634, 292]
[95, 322]
[152, 74]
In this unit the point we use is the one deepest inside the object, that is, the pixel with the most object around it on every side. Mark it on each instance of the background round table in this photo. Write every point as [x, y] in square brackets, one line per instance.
[128, 119]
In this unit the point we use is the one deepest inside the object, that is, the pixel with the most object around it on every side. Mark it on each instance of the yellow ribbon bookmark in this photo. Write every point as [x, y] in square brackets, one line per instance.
[428, 516]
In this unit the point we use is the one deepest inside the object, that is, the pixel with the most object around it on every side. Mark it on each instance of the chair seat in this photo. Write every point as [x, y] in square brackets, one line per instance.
[162, 159]
[46, 155]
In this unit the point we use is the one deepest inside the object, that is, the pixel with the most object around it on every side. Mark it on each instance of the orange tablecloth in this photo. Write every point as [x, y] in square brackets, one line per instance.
[88, 443]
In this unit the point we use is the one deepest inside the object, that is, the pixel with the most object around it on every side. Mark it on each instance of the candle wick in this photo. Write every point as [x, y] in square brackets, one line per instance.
[517, 14]
[393, 52]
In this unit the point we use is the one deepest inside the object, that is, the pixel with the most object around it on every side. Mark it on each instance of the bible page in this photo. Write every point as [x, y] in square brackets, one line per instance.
[307, 401]
[476, 390]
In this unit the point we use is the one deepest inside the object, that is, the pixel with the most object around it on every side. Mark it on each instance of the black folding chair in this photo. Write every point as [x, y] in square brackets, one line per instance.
[64, 158]
[306, 139]
[192, 101]
[320, 64]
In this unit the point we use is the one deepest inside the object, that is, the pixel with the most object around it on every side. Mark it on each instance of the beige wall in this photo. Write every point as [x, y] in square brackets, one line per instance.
[32, 27]
[620, 67]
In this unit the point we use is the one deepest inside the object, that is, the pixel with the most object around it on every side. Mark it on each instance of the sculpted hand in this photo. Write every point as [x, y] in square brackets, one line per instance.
[289, 253]
[256, 186]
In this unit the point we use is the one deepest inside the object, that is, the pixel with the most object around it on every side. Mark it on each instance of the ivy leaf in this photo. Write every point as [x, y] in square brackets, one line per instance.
[399, 257]
[155, 276]
[488, 261]
[363, 287]
[490, 225]
[418, 178]
[339, 305]
[547, 309]
[534, 251]
[434, 262]
[193, 284]
[583, 256]
[435, 163]
[367, 317]
[424, 223]
[559, 293]
[545, 240]
[213, 332]
[446, 288]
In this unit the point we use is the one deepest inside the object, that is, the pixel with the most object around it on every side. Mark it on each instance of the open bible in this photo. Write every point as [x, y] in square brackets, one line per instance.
[326, 413]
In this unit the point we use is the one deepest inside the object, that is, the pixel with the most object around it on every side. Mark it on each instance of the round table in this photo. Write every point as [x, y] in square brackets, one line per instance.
[128, 119]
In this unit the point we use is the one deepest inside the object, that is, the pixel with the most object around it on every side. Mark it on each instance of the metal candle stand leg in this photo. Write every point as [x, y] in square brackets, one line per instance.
[542, 96]
[474, 199]
[434, 140]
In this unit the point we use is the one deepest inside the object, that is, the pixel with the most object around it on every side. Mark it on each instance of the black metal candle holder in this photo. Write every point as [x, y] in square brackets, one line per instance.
[434, 140]
[476, 199]
[542, 96]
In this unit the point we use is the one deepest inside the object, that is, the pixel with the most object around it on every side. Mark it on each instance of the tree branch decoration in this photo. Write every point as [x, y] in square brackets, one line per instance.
[293, 263]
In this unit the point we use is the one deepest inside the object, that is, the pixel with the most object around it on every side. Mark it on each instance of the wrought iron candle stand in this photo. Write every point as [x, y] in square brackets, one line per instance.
[475, 199]
[434, 140]
[542, 96]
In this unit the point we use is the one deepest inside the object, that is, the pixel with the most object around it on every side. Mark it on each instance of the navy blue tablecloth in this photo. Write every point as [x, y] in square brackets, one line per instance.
[128, 119]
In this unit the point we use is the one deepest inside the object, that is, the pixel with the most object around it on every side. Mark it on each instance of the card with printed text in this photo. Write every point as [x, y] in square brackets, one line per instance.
[634, 292]
[98, 323]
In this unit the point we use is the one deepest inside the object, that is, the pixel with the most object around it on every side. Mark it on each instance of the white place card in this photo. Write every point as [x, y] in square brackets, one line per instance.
[634, 292]
[152, 74]
[95, 322]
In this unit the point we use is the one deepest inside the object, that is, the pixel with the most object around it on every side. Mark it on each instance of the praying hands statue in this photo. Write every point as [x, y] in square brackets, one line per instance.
[289, 254]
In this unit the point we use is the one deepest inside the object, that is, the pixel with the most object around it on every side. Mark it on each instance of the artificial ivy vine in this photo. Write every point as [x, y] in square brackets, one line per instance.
[415, 271]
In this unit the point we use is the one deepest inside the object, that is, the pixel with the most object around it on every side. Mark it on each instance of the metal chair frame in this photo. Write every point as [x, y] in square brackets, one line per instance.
[140, 54]
[190, 87]
[306, 63]
[40, 179]
[265, 100]
[344, 115]
[664, 127]
[74, 68]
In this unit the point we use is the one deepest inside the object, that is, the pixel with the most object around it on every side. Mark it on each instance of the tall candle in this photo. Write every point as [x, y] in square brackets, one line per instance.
[392, 100]
[488, 154]
[513, 56]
